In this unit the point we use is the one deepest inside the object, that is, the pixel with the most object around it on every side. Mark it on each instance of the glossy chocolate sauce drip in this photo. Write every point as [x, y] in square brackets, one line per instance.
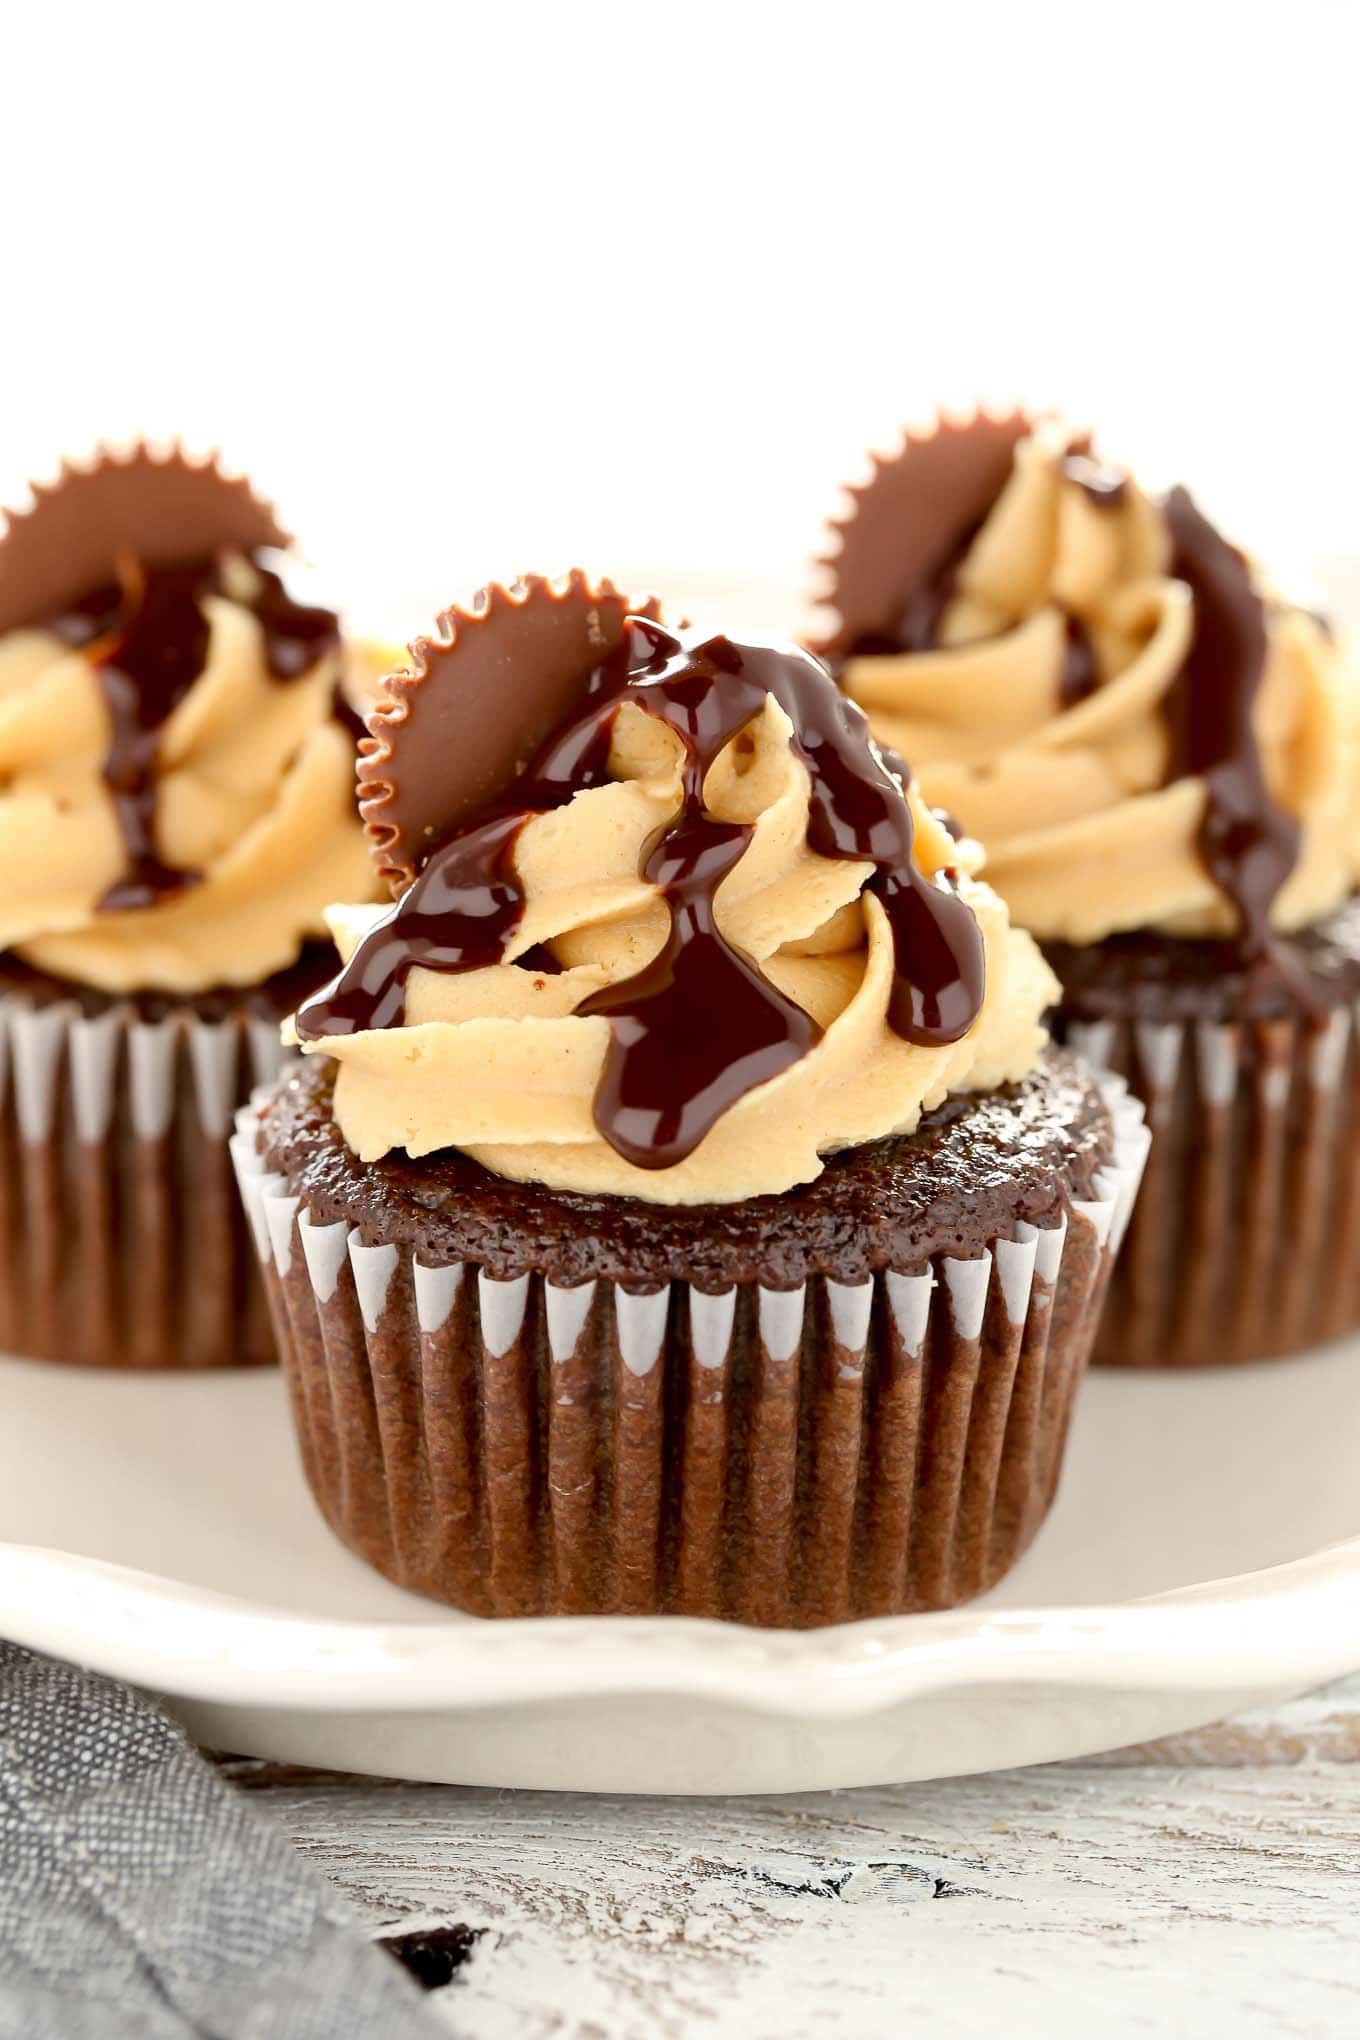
[148, 653]
[146, 635]
[1248, 843]
[296, 635]
[897, 765]
[1080, 675]
[347, 715]
[700, 1026]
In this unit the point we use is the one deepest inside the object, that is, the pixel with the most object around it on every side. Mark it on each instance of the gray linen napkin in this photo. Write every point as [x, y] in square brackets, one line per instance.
[140, 1896]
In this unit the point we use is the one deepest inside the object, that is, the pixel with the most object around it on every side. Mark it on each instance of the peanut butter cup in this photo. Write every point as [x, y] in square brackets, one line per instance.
[1159, 753]
[678, 1207]
[175, 812]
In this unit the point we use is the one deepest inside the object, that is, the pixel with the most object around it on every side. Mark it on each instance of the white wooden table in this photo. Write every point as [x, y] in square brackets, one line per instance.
[1204, 1886]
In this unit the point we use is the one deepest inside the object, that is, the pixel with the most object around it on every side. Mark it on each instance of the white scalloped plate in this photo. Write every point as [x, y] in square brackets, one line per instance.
[159, 1529]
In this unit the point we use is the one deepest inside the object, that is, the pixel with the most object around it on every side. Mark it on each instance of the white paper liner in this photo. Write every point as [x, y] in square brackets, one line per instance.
[44, 1047]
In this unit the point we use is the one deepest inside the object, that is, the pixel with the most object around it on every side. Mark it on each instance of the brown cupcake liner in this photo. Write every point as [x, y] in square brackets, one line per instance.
[121, 1237]
[1245, 1244]
[785, 1458]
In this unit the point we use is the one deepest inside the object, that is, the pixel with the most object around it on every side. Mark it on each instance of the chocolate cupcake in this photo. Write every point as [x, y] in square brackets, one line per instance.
[1159, 754]
[678, 1207]
[177, 744]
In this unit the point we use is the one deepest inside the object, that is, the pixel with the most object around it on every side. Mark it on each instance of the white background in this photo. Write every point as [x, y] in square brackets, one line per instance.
[479, 289]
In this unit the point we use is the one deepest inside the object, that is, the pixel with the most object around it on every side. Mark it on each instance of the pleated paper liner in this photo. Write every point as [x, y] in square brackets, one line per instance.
[1246, 1241]
[776, 1457]
[121, 1237]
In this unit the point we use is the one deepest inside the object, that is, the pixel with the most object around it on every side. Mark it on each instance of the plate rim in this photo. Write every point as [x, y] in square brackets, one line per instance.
[1297, 1622]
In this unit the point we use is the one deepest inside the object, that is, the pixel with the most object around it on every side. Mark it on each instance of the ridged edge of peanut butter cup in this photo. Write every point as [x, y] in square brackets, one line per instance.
[458, 725]
[164, 505]
[902, 523]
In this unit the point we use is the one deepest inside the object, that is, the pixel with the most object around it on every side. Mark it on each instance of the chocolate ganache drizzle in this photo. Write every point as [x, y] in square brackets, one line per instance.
[699, 1026]
[918, 627]
[146, 636]
[1249, 844]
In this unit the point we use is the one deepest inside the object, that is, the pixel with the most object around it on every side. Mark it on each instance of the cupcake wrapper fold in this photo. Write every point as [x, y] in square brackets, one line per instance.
[779, 1457]
[121, 1241]
[1246, 1240]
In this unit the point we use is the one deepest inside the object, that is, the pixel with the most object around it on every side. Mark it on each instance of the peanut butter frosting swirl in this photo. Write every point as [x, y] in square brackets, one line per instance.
[648, 960]
[176, 748]
[1104, 691]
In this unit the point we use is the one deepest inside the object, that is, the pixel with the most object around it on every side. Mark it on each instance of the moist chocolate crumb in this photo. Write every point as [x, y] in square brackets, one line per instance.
[275, 999]
[1146, 976]
[973, 1167]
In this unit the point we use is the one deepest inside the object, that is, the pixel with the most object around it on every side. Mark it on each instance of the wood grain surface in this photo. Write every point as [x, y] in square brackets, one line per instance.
[1201, 1886]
